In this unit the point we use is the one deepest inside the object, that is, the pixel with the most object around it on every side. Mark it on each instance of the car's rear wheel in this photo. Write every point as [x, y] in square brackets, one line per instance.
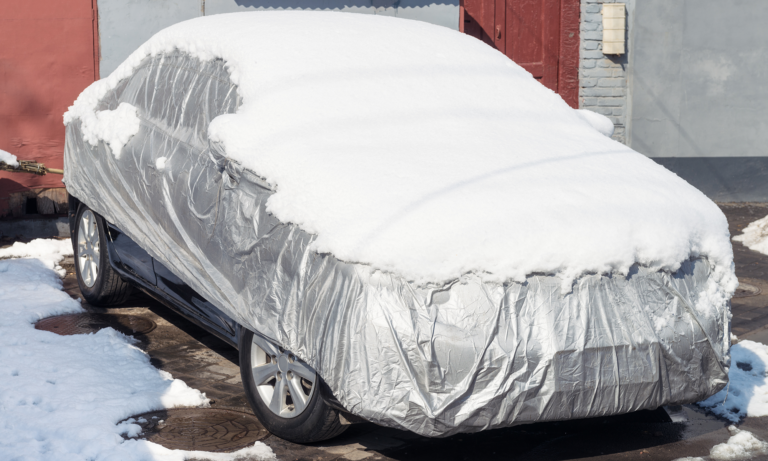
[284, 392]
[99, 283]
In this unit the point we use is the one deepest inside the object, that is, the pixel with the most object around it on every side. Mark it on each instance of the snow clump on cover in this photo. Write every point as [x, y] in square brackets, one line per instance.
[747, 391]
[114, 127]
[62, 397]
[755, 236]
[598, 121]
[8, 158]
[422, 151]
[160, 163]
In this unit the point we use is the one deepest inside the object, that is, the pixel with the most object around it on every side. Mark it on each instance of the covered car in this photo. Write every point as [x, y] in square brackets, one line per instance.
[415, 218]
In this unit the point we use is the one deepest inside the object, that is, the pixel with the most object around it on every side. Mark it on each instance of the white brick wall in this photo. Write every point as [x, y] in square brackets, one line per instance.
[602, 78]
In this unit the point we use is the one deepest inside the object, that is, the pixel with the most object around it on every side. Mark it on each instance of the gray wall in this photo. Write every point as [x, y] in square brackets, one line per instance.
[125, 24]
[699, 97]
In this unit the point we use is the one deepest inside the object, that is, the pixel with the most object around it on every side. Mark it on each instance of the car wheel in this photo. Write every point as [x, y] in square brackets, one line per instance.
[284, 392]
[99, 283]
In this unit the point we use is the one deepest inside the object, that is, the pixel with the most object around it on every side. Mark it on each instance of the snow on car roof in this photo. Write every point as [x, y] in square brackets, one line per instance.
[420, 150]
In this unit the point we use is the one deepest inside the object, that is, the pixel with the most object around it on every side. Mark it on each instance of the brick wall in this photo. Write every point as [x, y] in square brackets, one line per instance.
[603, 78]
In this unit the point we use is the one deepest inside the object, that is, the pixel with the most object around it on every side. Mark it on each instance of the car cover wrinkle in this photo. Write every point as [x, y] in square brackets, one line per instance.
[668, 286]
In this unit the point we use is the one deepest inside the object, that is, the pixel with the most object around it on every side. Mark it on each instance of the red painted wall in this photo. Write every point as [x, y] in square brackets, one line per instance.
[46, 59]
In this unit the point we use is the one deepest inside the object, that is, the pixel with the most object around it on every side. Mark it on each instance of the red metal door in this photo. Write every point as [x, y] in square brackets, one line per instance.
[528, 31]
[48, 56]
[540, 35]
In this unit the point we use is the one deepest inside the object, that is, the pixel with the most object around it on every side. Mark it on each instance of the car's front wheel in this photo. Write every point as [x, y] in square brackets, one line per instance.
[99, 283]
[284, 392]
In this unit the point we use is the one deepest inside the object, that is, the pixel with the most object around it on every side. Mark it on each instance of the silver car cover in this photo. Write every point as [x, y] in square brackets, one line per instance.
[433, 360]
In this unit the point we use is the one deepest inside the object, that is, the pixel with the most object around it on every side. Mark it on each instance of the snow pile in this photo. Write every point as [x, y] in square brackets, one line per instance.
[741, 446]
[61, 397]
[422, 151]
[755, 236]
[8, 158]
[598, 121]
[114, 127]
[747, 391]
[49, 251]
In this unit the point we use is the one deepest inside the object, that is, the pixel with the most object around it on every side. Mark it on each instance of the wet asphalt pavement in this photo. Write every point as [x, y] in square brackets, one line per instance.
[207, 363]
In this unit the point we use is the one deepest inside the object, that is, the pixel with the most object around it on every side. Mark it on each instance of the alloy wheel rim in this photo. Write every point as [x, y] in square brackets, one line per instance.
[284, 383]
[88, 248]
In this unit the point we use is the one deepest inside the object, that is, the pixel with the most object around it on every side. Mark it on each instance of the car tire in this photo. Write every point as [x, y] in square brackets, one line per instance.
[315, 422]
[99, 283]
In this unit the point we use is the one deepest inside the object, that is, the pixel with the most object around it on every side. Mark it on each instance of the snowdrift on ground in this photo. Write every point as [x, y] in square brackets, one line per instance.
[61, 397]
[747, 391]
[742, 445]
[755, 236]
[49, 251]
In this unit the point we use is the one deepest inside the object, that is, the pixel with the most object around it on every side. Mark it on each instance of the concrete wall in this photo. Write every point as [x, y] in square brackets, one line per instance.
[603, 78]
[126, 24]
[698, 93]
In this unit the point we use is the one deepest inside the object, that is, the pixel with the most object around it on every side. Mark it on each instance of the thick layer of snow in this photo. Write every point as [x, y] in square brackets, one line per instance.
[114, 127]
[598, 121]
[755, 236]
[61, 397]
[8, 158]
[423, 151]
[747, 391]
